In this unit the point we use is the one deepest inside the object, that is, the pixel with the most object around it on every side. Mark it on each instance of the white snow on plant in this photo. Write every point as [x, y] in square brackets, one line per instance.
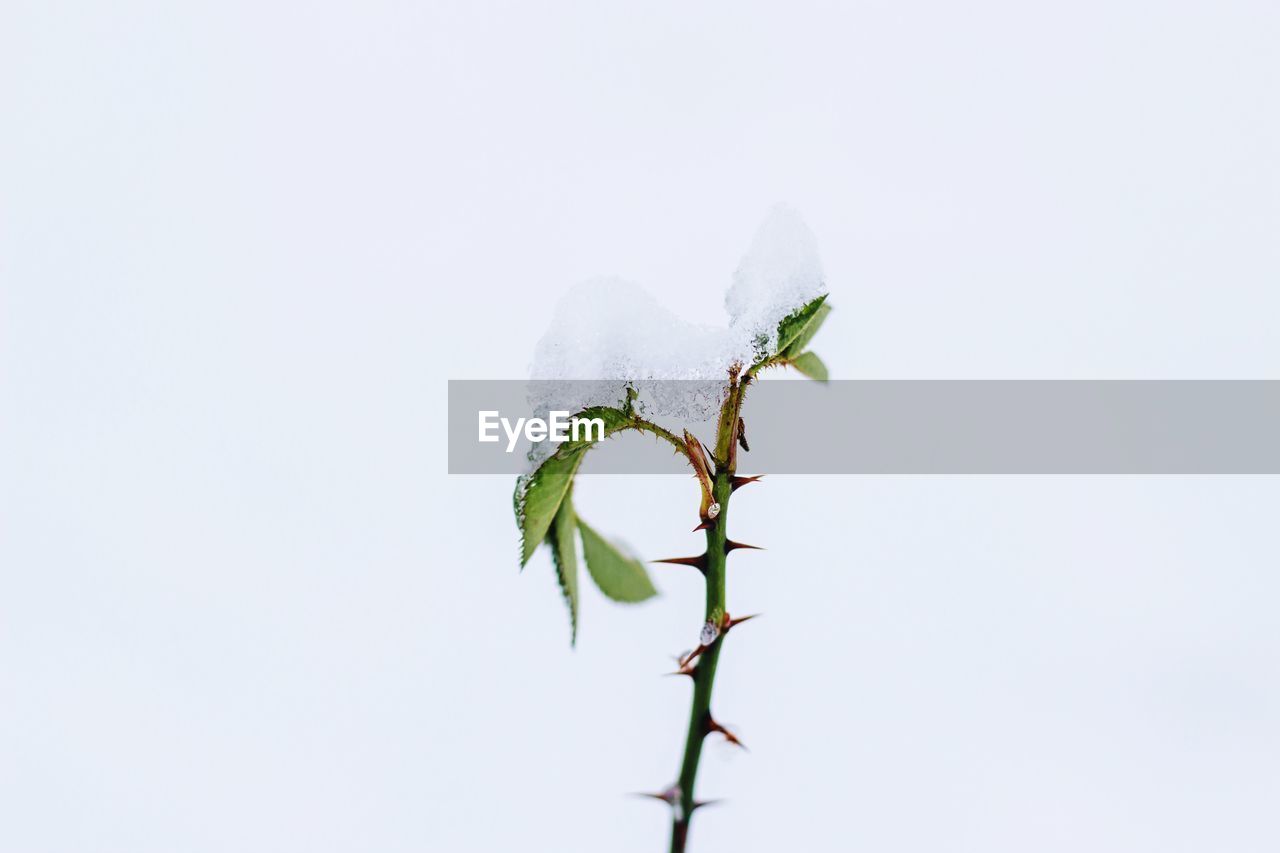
[780, 273]
[615, 333]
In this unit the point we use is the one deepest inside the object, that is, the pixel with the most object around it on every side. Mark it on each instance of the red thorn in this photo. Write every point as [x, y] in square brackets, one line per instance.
[730, 545]
[703, 526]
[738, 482]
[686, 667]
[668, 796]
[698, 562]
[697, 804]
[729, 623]
[692, 656]
[713, 726]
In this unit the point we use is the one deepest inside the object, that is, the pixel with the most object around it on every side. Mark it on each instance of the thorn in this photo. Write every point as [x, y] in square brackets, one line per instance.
[685, 667]
[713, 726]
[729, 623]
[692, 656]
[730, 545]
[697, 804]
[703, 526]
[699, 562]
[738, 482]
[742, 435]
[668, 796]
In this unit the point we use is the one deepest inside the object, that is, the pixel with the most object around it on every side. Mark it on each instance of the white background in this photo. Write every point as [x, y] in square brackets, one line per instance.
[243, 246]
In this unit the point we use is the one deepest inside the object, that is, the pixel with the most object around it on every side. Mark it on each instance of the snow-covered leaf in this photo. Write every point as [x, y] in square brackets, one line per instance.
[780, 272]
[538, 494]
[801, 341]
[616, 336]
[797, 329]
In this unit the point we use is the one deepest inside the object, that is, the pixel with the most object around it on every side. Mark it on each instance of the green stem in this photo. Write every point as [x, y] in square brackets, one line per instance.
[650, 427]
[705, 673]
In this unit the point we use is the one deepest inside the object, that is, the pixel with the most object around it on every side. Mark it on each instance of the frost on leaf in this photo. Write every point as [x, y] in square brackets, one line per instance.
[611, 350]
[780, 273]
[538, 497]
[794, 334]
[615, 334]
[539, 493]
[795, 331]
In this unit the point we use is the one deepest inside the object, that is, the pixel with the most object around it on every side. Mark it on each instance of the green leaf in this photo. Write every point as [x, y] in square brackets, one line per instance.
[537, 499]
[544, 512]
[797, 346]
[619, 576]
[810, 365]
[538, 495]
[564, 554]
[802, 324]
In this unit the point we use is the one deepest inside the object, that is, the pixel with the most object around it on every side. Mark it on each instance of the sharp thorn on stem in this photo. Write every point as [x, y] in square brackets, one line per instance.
[729, 622]
[730, 545]
[685, 667]
[699, 562]
[692, 656]
[713, 726]
[669, 796]
[738, 482]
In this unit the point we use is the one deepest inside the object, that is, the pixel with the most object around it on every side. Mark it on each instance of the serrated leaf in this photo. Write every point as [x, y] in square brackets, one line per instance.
[538, 495]
[618, 575]
[797, 346]
[810, 365]
[564, 555]
[798, 322]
